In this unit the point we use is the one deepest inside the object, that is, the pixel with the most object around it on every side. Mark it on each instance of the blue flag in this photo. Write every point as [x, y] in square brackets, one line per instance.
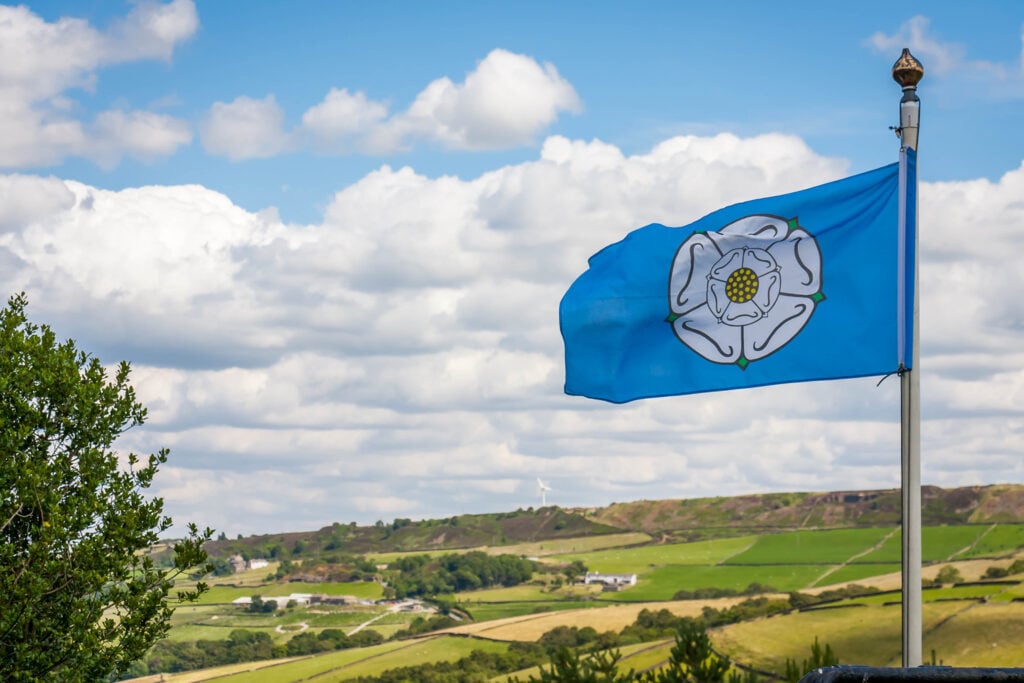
[806, 286]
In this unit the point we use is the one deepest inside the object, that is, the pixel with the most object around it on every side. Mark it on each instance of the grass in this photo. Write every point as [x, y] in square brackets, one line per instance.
[490, 611]
[861, 573]
[337, 666]
[986, 635]
[637, 657]
[1000, 541]
[938, 543]
[820, 547]
[314, 666]
[528, 592]
[583, 544]
[858, 635]
[551, 546]
[664, 582]
[642, 559]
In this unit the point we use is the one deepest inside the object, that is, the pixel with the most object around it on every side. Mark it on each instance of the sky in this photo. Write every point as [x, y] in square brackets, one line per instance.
[331, 238]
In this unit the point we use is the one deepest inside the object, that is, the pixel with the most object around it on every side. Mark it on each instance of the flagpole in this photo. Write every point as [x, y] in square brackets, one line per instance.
[907, 72]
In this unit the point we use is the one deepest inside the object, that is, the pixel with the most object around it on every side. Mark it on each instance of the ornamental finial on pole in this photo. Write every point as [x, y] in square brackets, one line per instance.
[908, 72]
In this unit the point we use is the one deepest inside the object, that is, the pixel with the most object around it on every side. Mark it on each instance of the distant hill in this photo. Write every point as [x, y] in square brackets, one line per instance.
[701, 517]
[687, 519]
[432, 535]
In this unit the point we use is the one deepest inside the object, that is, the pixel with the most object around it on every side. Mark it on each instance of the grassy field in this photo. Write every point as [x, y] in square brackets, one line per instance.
[639, 560]
[552, 546]
[637, 657]
[662, 583]
[963, 633]
[346, 664]
[820, 547]
[997, 542]
[855, 573]
[608, 618]
[861, 635]
[961, 622]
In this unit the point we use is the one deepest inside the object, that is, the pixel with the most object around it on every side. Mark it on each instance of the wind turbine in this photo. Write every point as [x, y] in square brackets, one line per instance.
[543, 489]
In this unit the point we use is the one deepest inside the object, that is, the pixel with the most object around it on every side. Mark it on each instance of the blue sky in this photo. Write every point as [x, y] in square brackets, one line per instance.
[642, 72]
[331, 237]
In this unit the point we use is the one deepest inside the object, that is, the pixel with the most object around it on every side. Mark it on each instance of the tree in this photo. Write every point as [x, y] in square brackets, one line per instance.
[949, 574]
[80, 600]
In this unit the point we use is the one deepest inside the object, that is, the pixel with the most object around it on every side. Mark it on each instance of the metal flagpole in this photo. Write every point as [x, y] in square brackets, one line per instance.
[907, 72]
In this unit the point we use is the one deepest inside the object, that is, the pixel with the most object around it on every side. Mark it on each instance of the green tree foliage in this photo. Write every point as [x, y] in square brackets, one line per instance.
[692, 660]
[419, 575]
[949, 574]
[78, 599]
[820, 656]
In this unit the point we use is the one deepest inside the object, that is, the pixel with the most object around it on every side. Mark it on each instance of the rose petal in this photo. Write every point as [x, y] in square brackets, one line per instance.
[769, 287]
[786, 319]
[759, 261]
[741, 314]
[688, 281]
[799, 262]
[702, 332]
[728, 264]
[759, 227]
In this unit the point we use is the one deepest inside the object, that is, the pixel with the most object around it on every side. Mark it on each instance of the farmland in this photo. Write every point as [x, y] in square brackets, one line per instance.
[962, 622]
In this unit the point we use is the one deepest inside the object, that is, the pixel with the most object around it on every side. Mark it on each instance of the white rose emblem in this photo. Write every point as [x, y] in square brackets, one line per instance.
[742, 293]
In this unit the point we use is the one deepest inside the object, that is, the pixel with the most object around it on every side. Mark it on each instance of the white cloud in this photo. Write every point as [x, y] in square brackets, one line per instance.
[939, 57]
[950, 61]
[505, 102]
[41, 61]
[409, 341]
[341, 116]
[141, 134]
[151, 30]
[245, 128]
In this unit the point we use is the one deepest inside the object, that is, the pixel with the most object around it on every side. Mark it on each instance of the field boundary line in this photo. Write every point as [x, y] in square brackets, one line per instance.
[738, 552]
[973, 545]
[360, 661]
[866, 551]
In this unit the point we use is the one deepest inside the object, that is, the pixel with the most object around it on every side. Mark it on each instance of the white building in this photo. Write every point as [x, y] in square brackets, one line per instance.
[610, 579]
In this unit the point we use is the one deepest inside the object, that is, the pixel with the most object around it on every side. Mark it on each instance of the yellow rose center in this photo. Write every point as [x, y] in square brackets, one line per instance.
[741, 285]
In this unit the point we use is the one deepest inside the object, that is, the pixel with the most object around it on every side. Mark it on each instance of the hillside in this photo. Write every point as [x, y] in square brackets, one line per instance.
[700, 517]
[688, 519]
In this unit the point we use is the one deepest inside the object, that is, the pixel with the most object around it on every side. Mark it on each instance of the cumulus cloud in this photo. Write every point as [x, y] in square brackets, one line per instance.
[41, 61]
[507, 101]
[245, 128]
[407, 346]
[342, 116]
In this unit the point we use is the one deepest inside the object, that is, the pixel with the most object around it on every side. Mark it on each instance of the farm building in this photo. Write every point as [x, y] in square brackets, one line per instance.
[610, 579]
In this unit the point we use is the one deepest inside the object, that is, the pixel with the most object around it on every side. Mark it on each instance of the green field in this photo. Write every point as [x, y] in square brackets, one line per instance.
[643, 558]
[938, 544]
[664, 582]
[637, 657]
[1003, 539]
[489, 611]
[821, 547]
[338, 666]
[856, 572]
[860, 630]
[963, 633]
